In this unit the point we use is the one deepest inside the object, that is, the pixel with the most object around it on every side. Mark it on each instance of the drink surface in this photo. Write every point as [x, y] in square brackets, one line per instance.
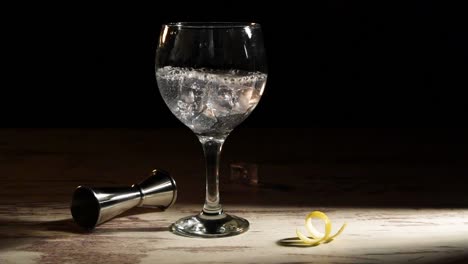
[210, 101]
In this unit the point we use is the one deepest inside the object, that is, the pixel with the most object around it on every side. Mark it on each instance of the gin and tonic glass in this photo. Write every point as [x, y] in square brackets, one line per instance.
[211, 76]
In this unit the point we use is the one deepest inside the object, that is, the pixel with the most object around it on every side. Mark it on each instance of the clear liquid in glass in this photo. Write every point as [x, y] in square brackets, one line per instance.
[210, 101]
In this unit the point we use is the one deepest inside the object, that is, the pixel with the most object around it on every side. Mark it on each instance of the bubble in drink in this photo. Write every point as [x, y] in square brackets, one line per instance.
[210, 101]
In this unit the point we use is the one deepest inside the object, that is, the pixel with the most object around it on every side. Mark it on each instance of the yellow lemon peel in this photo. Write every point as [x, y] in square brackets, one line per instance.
[317, 237]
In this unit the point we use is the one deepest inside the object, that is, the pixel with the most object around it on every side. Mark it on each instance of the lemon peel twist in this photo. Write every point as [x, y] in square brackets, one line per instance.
[317, 237]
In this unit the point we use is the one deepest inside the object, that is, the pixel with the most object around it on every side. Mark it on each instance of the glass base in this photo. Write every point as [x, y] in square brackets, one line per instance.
[207, 226]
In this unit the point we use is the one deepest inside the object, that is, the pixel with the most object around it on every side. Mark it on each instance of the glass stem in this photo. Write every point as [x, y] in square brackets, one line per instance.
[212, 148]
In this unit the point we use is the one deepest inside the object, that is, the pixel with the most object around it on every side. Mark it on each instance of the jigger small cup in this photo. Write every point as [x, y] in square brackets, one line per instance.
[92, 206]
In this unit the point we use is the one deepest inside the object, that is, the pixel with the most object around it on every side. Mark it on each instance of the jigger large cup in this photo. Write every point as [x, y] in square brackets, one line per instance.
[91, 207]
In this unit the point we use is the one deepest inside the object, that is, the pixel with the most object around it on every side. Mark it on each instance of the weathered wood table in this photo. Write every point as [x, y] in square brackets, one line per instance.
[398, 210]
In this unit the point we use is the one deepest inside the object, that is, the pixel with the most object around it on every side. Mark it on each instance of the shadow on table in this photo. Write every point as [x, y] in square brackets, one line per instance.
[353, 185]
[292, 242]
[452, 260]
[69, 226]
[14, 233]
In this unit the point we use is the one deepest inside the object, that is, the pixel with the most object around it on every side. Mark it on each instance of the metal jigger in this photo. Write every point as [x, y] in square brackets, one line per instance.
[93, 206]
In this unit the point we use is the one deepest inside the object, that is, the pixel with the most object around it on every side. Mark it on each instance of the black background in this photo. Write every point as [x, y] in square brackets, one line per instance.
[331, 63]
[381, 84]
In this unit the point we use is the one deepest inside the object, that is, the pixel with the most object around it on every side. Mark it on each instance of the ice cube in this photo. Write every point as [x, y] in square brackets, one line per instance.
[185, 109]
[191, 91]
[188, 97]
[242, 172]
[227, 123]
[247, 98]
[221, 99]
[204, 121]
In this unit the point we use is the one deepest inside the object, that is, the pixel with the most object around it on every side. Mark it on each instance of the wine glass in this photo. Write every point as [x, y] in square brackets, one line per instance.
[211, 76]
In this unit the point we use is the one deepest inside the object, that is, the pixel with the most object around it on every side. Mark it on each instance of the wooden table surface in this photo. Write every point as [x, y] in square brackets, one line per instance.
[400, 207]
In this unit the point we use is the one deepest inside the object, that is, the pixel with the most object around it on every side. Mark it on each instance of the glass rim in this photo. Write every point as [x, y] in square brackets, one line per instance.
[204, 25]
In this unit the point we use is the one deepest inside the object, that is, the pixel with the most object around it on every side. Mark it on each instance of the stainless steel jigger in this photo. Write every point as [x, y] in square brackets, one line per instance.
[93, 206]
